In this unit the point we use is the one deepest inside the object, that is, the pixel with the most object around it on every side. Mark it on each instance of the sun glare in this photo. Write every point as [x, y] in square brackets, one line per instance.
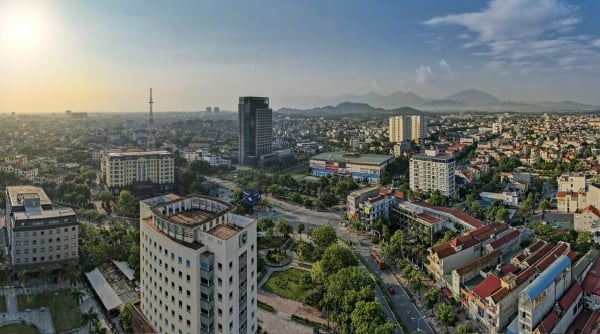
[20, 32]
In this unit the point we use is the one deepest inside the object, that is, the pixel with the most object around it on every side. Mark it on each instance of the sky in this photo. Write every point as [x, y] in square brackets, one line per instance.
[89, 55]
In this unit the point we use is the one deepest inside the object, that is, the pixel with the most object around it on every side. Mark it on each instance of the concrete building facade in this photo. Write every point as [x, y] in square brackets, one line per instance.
[198, 266]
[123, 169]
[38, 234]
[432, 171]
[400, 129]
[255, 132]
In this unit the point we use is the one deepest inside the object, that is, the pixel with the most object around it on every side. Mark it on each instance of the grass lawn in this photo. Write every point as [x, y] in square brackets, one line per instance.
[63, 307]
[18, 329]
[2, 304]
[273, 242]
[287, 284]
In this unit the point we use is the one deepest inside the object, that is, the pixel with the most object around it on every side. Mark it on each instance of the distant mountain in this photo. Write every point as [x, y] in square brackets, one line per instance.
[470, 99]
[474, 97]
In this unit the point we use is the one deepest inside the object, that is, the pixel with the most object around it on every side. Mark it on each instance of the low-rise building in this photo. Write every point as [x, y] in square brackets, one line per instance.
[360, 167]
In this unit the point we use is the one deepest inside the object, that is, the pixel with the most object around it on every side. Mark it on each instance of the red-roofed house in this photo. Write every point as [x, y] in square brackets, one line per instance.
[548, 324]
[570, 307]
[591, 287]
[588, 220]
[490, 284]
[507, 243]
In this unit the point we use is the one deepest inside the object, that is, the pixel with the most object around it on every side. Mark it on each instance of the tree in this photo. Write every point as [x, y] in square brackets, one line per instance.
[336, 257]
[544, 206]
[502, 215]
[584, 241]
[463, 329]
[394, 247]
[300, 229]
[303, 249]
[77, 294]
[445, 314]
[368, 316]
[283, 227]
[90, 317]
[128, 204]
[266, 225]
[431, 298]
[322, 237]
[23, 278]
[125, 317]
[44, 274]
[105, 197]
[416, 282]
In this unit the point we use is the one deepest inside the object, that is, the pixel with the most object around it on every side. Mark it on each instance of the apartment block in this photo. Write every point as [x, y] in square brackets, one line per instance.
[198, 267]
[123, 169]
[38, 234]
[400, 129]
[432, 171]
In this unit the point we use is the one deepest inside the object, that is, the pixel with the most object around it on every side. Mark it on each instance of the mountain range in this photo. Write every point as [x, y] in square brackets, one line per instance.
[470, 99]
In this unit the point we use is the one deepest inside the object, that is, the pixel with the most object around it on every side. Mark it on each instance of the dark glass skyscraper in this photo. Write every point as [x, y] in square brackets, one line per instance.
[255, 129]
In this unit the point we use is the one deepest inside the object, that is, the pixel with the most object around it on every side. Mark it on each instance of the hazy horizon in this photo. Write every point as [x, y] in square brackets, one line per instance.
[104, 56]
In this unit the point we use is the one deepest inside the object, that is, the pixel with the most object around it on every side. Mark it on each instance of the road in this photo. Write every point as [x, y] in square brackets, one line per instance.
[409, 313]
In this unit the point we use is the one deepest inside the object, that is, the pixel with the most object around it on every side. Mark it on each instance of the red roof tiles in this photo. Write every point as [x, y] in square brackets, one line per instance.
[549, 322]
[570, 296]
[505, 239]
[458, 214]
[591, 283]
[490, 284]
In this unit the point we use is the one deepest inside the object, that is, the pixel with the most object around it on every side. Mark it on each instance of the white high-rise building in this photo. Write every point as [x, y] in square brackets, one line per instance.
[400, 128]
[418, 127]
[432, 171]
[198, 264]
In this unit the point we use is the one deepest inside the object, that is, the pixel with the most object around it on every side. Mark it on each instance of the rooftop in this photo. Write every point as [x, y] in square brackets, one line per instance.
[193, 210]
[194, 245]
[570, 296]
[505, 239]
[547, 277]
[224, 231]
[490, 284]
[549, 322]
[457, 214]
[591, 283]
[138, 153]
[15, 193]
[369, 159]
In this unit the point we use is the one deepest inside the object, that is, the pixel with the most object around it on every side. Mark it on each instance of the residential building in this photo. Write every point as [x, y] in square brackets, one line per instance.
[400, 129]
[378, 206]
[537, 299]
[361, 167]
[432, 171]
[38, 234]
[198, 267]
[591, 286]
[23, 170]
[418, 126]
[123, 169]
[357, 197]
[255, 132]
[588, 220]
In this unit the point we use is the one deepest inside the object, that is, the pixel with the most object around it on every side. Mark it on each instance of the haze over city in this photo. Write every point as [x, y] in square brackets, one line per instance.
[103, 56]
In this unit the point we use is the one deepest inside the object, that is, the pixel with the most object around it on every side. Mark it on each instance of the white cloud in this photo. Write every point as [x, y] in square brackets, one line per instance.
[445, 66]
[531, 33]
[422, 74]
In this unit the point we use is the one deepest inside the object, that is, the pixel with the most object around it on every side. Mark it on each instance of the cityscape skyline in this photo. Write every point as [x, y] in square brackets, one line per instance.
[104, 56]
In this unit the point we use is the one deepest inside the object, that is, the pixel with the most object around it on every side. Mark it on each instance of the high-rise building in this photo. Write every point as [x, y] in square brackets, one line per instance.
[432, 171]
[122, 169]
[198, 267]
[418, 127]
[400, 128]
[38, 234]
[255, 129]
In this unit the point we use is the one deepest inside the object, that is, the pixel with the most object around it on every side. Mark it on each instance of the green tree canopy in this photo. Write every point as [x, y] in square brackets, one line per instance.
[128, 204]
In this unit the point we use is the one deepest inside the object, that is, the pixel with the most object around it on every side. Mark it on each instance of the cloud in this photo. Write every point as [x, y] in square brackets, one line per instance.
[445, 66]
[422, 74]
[532, 33]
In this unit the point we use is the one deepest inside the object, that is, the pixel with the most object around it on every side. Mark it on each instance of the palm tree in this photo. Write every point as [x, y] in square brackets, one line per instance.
[98, 329]
[70, 272]
[44, 274]
[78, 294]
[23, 279]
[90, 317]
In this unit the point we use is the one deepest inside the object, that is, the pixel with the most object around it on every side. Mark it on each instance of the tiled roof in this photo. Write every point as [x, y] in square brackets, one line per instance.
[499, 294]
[549, 322]
[490, 284]
[570, 296]
[536, 245]
[591, 283]
[592, 209]
[479, 262]
[509, 268]
[561, 194]
[458, 214]
[505, 239]
[429, 218]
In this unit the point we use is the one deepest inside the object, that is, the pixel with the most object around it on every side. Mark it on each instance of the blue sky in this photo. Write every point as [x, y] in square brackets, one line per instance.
[104, 55]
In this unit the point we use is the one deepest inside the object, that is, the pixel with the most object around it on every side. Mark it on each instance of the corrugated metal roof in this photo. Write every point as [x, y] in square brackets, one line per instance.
[105, 292]
[547, 277]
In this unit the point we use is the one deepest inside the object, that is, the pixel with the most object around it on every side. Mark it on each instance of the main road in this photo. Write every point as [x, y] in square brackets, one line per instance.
[411, 316]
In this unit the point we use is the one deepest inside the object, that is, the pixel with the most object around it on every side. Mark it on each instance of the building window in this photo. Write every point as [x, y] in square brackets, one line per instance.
[188, 263]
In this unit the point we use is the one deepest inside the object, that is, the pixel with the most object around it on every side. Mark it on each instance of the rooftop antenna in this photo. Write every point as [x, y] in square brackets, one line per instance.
[150, 143]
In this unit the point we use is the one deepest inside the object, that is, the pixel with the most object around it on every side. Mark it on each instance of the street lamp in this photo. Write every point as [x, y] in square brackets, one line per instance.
[418, 322]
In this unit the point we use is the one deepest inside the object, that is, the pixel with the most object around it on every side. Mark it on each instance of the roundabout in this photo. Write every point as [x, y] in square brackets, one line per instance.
[18, 328]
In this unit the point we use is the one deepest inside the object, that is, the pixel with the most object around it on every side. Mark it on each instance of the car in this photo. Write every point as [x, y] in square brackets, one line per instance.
[391, 290]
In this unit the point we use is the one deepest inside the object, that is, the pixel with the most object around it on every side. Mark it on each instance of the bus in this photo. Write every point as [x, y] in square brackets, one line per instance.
[375, 257]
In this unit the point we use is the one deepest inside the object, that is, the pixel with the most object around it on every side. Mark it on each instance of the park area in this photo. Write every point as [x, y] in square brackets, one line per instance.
[18, 329]
[62, 305]
[288, 284]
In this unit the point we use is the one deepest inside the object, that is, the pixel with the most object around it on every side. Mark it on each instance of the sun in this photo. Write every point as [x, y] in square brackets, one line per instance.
[21, 32]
